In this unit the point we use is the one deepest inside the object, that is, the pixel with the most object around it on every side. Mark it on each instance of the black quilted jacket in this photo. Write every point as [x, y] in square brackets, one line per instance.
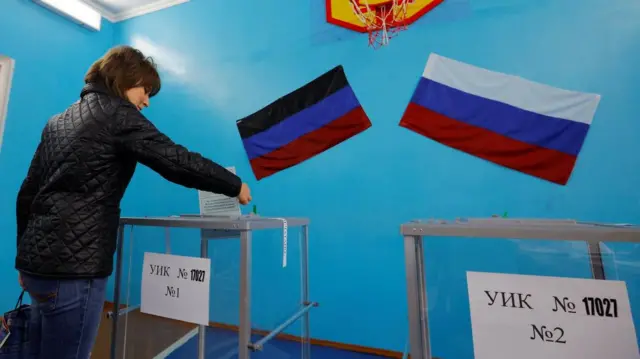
[68, 207]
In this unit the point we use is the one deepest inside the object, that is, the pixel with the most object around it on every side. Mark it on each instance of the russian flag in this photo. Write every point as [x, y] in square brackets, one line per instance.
[523, 125]
[302, 124]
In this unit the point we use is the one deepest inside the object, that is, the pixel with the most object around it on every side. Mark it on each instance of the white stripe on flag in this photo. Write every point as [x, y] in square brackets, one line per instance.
[512, 90]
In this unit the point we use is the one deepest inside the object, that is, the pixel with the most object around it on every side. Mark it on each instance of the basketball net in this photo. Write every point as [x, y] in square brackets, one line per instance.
[382, 21]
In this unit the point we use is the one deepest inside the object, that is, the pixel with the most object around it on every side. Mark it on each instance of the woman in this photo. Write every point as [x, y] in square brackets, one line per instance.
[68, 205]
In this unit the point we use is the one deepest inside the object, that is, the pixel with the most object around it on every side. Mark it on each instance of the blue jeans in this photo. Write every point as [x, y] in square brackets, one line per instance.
[65, 316]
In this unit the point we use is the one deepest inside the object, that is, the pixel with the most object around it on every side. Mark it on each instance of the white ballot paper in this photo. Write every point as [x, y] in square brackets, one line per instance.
[213, 204]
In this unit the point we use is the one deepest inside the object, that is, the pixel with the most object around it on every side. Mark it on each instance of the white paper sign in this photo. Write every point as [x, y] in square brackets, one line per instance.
[213, 204]
[533, 317]
[176, 287]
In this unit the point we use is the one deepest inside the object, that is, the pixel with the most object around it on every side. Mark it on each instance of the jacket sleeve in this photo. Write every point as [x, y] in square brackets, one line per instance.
[27, 193]
[136, 136]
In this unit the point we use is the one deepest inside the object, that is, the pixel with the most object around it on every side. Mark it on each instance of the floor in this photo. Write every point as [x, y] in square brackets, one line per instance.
[223, 344]
[148, 337]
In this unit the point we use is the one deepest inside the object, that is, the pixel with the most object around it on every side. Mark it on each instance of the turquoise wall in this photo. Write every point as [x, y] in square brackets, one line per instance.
[52, 55]
[221, 61]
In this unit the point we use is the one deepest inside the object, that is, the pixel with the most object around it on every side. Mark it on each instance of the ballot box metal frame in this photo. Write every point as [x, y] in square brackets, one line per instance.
[225, 227]
[502, 228]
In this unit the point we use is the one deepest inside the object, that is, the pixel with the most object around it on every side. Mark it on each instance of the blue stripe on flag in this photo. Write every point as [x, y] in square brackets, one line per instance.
[308, 120]
[533, 128]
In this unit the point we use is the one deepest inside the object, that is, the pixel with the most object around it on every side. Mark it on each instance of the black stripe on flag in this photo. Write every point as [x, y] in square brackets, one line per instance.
[298, 100]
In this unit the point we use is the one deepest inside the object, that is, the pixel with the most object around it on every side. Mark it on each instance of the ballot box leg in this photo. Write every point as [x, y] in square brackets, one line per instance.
[245, 296]
[304, 276]
[202, 329]
[167, 240]
[595, 259]
[417, 298]
[116, 292]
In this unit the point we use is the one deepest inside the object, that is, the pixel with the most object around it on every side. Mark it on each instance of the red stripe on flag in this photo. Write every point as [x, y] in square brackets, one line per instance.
[311, 144]
[551, 165]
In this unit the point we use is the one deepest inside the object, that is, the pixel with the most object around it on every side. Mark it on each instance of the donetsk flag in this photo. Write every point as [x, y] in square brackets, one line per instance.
[302, 124]
[523, 125]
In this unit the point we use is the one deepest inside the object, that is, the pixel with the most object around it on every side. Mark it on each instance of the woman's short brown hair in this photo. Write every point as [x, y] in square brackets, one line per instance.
[123, 68]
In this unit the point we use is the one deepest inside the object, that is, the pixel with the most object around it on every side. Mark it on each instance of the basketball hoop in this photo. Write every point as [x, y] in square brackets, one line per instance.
[383, 19]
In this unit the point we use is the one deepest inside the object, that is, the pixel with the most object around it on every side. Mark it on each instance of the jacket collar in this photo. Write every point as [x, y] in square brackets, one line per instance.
[99, 87]
[95, 87]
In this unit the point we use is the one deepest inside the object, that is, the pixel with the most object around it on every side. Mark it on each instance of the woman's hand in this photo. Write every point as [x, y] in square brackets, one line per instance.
[245, 194]
[20, 280]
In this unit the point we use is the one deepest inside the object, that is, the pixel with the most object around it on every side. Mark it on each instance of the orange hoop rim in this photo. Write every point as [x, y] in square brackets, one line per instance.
[388, 19]
[362, 29]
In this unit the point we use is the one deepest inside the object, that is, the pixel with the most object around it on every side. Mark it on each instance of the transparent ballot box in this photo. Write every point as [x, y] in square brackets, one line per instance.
[211, 287]
[522, 288]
